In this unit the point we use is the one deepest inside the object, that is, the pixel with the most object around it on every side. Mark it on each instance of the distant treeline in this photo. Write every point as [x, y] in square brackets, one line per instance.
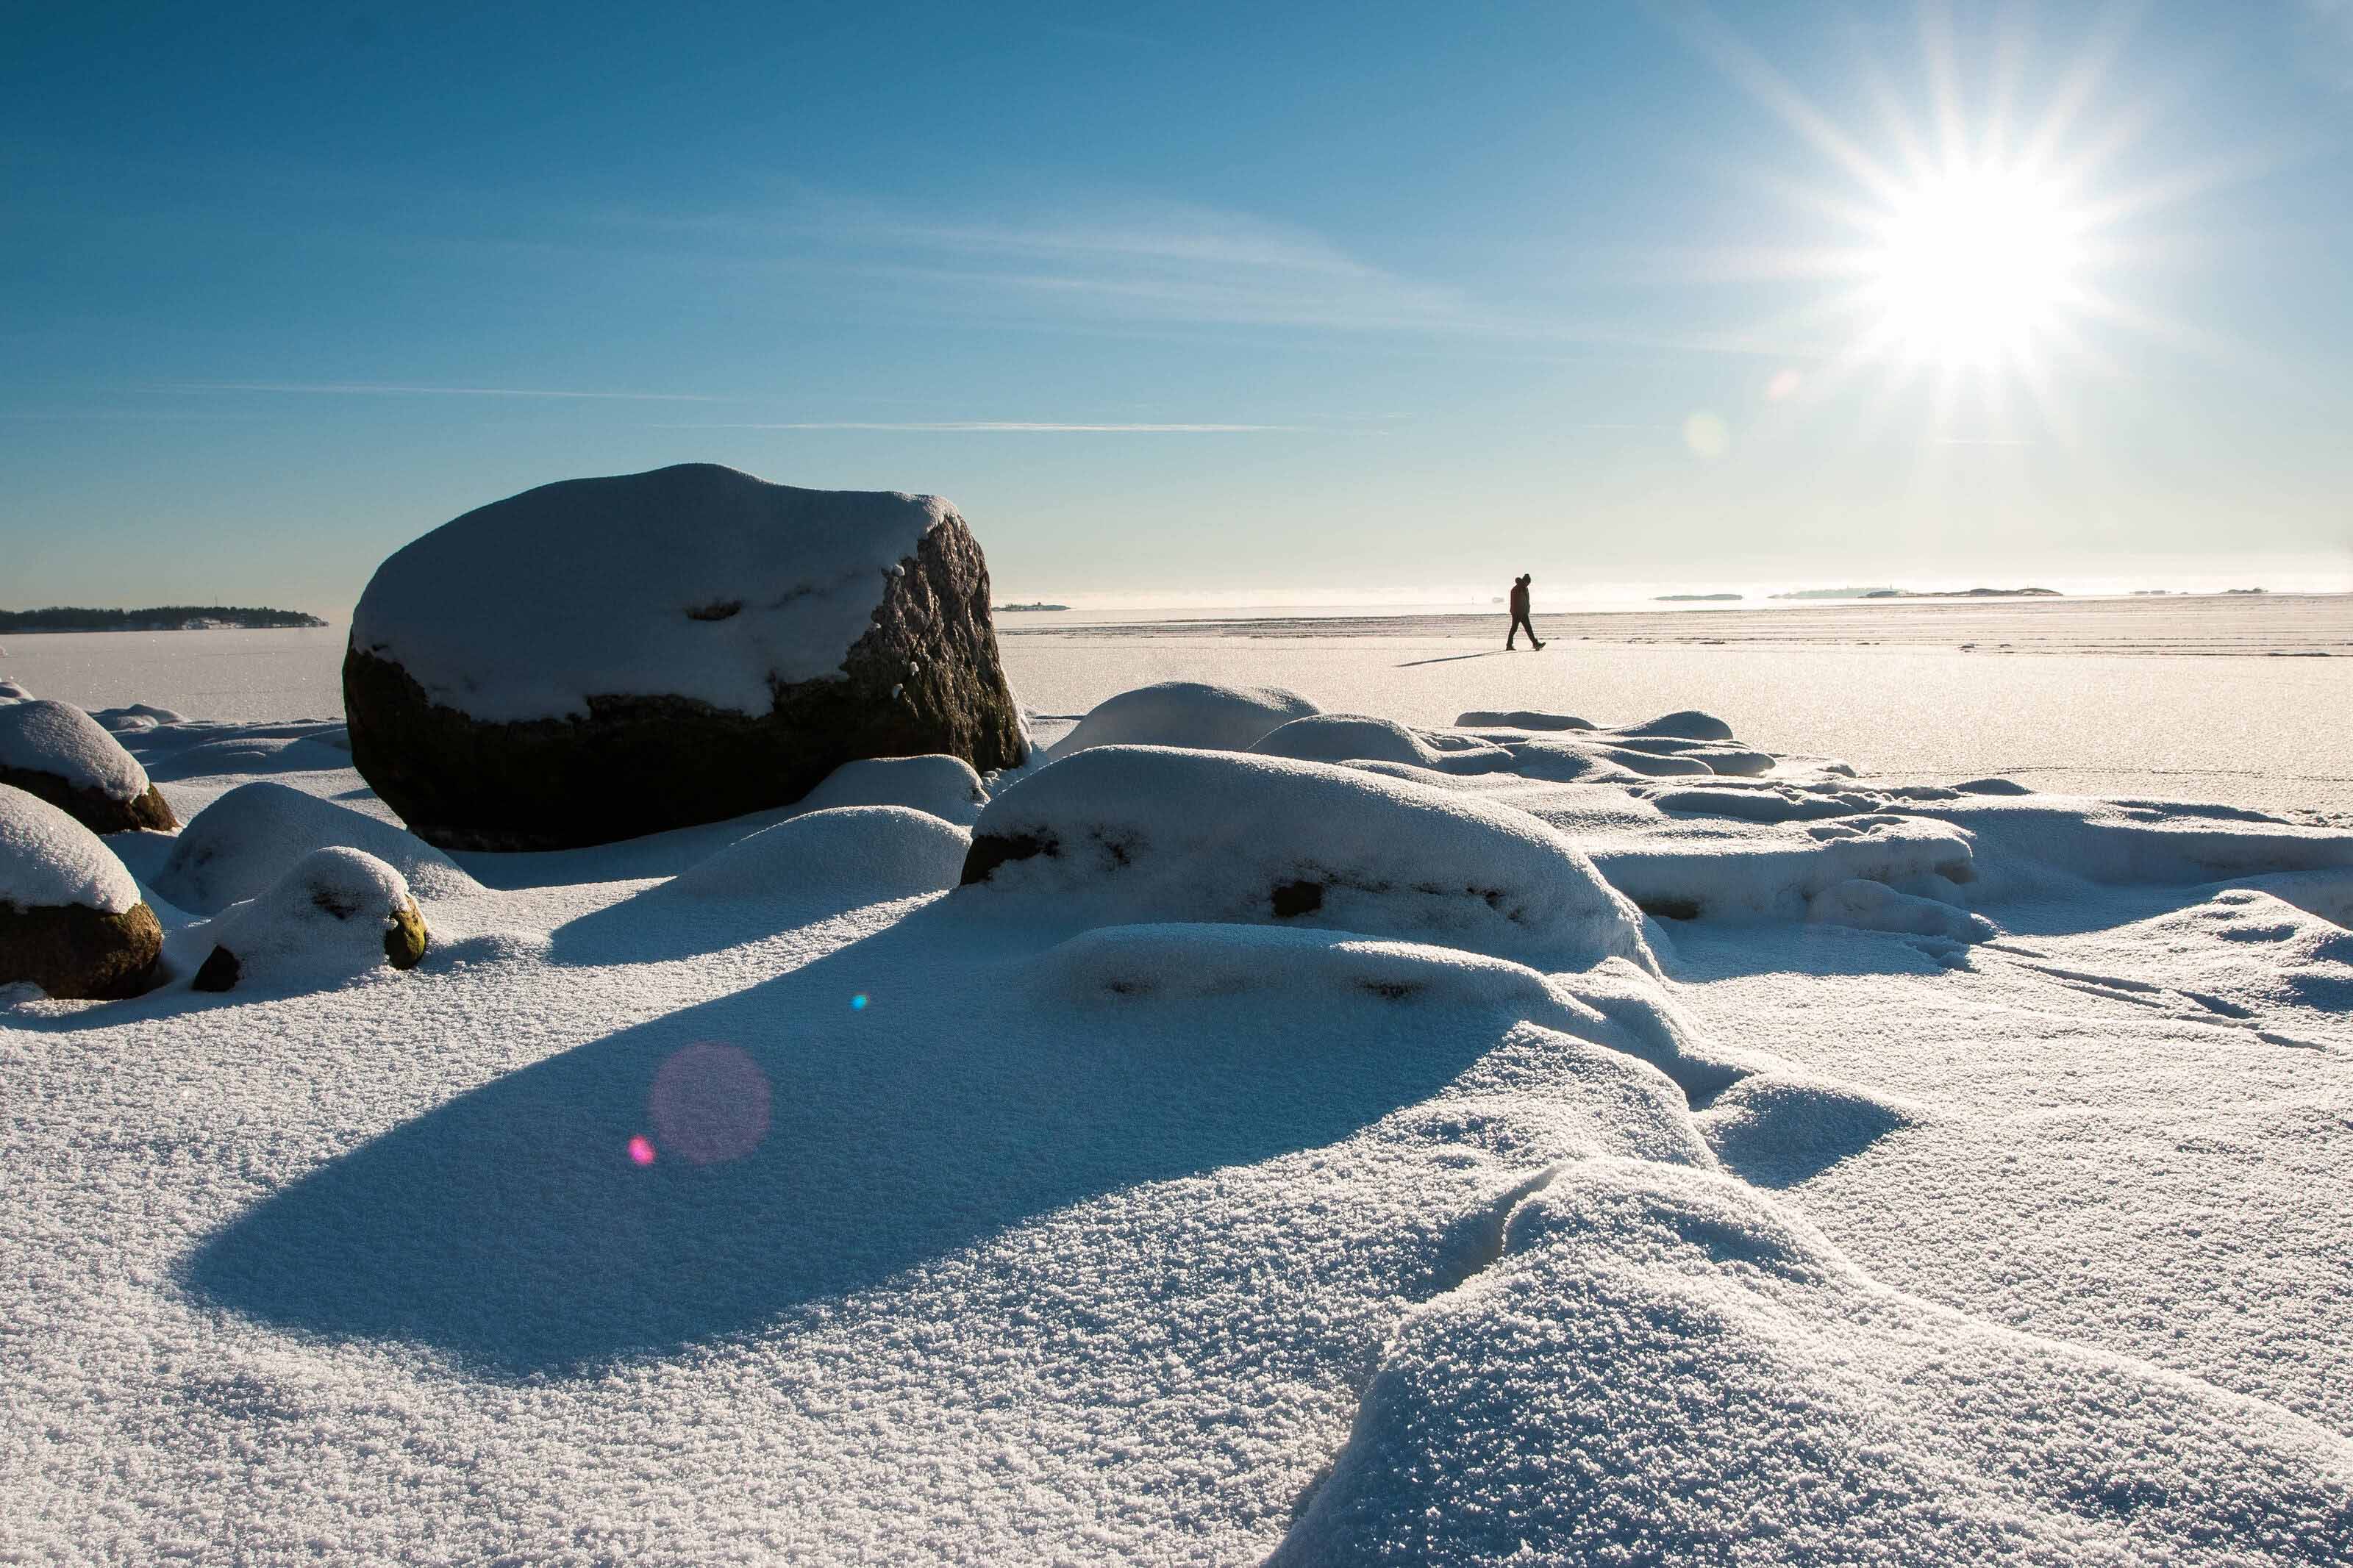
[161, 619]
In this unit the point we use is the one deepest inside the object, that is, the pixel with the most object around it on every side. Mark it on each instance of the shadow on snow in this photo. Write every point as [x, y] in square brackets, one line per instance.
[512, 1229]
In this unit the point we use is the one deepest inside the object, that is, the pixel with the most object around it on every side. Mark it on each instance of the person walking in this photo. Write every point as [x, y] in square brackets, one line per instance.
[1519, 611]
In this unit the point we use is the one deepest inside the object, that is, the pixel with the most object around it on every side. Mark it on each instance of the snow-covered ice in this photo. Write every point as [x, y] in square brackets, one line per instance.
[1932, 1174]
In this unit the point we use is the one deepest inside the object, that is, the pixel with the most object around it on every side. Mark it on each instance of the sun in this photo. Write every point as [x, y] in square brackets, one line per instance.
[1977, 234]
[1974, 267]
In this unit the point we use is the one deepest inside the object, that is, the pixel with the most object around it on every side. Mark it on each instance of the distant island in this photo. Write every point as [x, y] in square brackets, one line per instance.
[1967, 593]
[161, 618]
[1692, 598]
[1001, 608]
[1834, 593]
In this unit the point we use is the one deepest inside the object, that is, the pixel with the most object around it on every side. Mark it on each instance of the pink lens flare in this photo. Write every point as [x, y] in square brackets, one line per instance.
[640, 1150]
[710, 1103]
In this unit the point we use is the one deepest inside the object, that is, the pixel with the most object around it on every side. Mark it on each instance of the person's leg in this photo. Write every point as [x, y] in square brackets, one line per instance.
[1517, 622]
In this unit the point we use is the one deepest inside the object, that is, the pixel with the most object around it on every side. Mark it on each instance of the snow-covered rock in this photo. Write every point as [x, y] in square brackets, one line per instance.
[336, 912]
[945, 786]
[12, 692]
[1192, 714]
[602, 658]
[1348, 737]
[847, 855]
[248, 839]
[56, 750]
[72, 920]
[1118, 834]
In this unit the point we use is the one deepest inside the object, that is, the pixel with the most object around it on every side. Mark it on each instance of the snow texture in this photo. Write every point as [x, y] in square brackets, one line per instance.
[324, 921]
[135, 716]
[849, 854]
[59, 738]
[48, 859]
[1186, 714]
[945, 786]
[695, 581]
[1155, 833]
[687, 1203]
[242, 844]
[1665, 1365]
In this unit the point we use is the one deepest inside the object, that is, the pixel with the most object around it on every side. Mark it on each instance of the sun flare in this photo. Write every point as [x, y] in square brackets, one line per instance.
[1973, 267]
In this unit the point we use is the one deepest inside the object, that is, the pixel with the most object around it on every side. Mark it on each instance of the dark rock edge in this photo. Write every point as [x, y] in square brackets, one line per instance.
[94, 809]
[78, 953]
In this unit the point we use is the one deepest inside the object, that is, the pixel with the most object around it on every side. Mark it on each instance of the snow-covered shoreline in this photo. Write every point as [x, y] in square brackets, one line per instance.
[1960, 1180]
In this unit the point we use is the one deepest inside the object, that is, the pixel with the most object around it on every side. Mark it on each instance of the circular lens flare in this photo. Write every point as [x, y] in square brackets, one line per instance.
[1972, 267]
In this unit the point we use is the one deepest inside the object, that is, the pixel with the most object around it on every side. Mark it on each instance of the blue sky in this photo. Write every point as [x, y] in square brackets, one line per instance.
[1328, 301]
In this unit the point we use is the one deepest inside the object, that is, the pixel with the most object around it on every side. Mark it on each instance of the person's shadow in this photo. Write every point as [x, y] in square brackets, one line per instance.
[558, 1217]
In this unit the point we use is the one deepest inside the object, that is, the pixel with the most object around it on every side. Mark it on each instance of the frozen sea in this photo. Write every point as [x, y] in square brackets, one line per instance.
[1506, 1147]
[2239, 700]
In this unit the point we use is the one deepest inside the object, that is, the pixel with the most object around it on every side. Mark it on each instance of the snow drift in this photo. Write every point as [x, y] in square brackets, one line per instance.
[1190, 713]
[245, 841]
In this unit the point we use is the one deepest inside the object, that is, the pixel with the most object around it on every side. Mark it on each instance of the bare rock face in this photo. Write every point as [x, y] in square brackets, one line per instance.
[603, 659]
[73, 952]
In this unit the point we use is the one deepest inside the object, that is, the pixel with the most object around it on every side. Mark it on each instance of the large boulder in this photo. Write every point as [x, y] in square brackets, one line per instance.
[61, 753]
[601, 658]
[71, 917]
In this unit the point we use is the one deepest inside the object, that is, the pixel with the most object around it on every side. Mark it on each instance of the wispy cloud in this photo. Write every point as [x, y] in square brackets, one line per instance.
[373, 389]
[1020, 427]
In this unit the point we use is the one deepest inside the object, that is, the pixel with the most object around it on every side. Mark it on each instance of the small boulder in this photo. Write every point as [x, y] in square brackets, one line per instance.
[71, 917]
[61, 753]
[602, 658]
[1190, 713]
[339, 911]
[240, 846]
[946, 787]
[846, 855]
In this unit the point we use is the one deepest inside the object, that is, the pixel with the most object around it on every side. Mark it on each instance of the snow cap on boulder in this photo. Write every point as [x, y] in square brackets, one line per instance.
[945, 786]
[337, 911]
[56, 750]
[1187, 713]
[71, 917]
[1120, 834]
[601, 658]
[847, 855]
